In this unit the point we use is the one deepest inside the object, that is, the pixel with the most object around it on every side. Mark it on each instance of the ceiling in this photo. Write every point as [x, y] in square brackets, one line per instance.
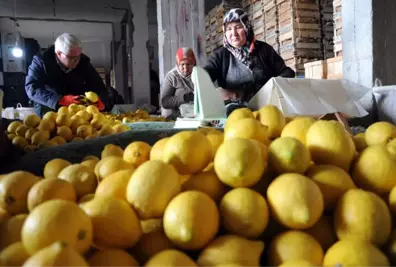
[91, 10]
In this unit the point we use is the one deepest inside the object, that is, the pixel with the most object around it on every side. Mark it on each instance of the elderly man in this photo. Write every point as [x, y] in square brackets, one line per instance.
[61, 75]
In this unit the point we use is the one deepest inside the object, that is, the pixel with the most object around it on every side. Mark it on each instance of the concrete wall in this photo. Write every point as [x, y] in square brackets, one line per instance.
[369, 41]
[357, 41]
[96, 37]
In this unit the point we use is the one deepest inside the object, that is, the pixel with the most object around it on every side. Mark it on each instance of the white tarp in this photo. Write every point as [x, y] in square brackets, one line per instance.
[311, 97]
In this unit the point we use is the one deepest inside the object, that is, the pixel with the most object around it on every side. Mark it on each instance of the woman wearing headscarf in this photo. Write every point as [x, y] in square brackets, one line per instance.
[243, 65]
[178, 87]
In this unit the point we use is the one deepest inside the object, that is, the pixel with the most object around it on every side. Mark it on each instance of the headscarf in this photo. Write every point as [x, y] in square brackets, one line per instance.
[184, 53]
[243, 53]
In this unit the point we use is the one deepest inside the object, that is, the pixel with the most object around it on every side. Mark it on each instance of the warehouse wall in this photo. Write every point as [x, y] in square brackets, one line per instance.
[369, 41]
[96, 37]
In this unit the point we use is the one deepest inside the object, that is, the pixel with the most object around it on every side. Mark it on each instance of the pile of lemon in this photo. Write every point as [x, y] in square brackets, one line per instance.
[73, 123]
[313, 194]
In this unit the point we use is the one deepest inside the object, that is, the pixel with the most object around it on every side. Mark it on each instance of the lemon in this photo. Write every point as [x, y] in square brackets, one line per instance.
[353, 218]
[294, 245]
[354, 253]
[14, 255]
[206, 182]
[191, 220]
[53, 167]
[156, 152]
[121, 233]
[380, 133]
[112, 150]
[298, 128]
[92, 96]
[10, 230]
[112, 257]
[375, 169]
[151, 187]
[323, 232]
[170, 258]
[109, 165]
[13, 126]
[300, 263]
[238, 114]
[137, 153]
[115, 184]
[231, 249]
[31, 120]
[20, 142]
[287, 154]
[63, 120]
[81, 177]
[239, 163]
[58, 253]
[65, 132]
[181, 151]
[47, 125]
[92, 109]
[360, 141]
[50, 115]
[150, 244]
[273, 118]
[329, 143]
[332, 181]
[244, 212]
[295, 201]
[248, 128]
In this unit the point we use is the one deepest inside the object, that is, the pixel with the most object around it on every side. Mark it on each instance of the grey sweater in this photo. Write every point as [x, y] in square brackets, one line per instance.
[174, 88]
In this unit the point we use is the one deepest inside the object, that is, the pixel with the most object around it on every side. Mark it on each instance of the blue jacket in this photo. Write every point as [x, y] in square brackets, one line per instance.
[46, 82]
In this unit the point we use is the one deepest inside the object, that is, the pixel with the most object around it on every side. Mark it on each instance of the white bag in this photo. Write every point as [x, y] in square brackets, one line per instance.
[384, 102]
[18, 113]
[311, 97]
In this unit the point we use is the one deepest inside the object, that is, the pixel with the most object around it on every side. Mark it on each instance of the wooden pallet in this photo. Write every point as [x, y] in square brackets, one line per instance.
[260, 36]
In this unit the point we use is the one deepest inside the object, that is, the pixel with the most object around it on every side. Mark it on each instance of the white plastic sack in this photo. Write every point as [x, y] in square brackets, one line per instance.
[384, 102]
[18, 113]
[311, 97]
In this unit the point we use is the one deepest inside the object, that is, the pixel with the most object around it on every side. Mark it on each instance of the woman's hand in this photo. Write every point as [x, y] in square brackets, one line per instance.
[227, 94]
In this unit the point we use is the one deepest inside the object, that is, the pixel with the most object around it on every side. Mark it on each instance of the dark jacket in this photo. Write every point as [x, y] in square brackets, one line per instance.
[266, 62]
[46, 82]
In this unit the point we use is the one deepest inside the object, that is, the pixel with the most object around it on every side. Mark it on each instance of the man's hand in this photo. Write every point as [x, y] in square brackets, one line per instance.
[67, 100]
[227, 94]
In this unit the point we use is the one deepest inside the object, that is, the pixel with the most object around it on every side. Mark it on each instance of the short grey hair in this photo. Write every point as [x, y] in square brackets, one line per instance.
[66, 41]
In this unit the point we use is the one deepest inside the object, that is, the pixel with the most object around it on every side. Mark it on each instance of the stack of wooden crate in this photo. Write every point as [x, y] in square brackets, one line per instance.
[271, 23]
[257, 18]
[337, 5]
[214, 24]
[300, 36]
[327, 22]
[102, 74]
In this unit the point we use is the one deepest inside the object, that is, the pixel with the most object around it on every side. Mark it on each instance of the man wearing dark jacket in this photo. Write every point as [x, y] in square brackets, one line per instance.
[61, 75]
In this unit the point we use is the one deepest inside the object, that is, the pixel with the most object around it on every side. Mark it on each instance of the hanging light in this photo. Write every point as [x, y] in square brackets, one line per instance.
[17, 50]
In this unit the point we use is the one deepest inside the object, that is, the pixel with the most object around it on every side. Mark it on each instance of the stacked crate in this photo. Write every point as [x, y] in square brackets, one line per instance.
[214, 24]
[271, 23]
[257, 18]
[300, 35]
[102, 74]
[327, 22]
[337, 28]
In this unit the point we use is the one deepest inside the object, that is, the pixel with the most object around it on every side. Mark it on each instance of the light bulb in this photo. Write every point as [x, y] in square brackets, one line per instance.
[17, 52]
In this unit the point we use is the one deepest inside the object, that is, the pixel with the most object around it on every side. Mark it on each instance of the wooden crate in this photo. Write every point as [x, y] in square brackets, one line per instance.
[295, 36]
[334, 68]
[260, 36]
[302, 16]
[316, 69]
[291, 51]
[296, 6]
[269, 4]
